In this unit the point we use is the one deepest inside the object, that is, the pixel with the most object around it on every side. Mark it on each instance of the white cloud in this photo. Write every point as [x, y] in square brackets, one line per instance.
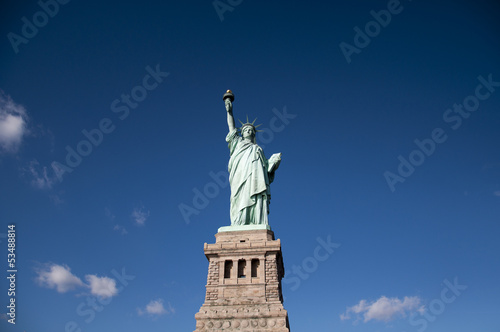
[13, 123]
[58, 277]
[120, 229]
[156, 308]
[102, 286]
[56, 199]
[140, 215]
[41, 179]
[497, 193]
[109, 214]
[384, 309]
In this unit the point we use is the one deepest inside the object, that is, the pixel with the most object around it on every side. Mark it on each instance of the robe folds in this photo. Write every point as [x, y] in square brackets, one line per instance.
[249, 180]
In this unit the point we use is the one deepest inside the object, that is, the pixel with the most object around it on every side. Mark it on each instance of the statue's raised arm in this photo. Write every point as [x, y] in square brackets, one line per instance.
[250, 172]
[228, 100]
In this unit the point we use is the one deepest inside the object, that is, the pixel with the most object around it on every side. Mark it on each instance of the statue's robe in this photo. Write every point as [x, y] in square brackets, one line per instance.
[249, 180]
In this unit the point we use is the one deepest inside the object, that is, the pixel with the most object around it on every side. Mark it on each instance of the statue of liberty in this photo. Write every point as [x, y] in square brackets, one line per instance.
[250, 172]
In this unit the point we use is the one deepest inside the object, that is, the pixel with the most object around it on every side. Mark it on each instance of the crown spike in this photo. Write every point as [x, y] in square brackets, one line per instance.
[252, 124]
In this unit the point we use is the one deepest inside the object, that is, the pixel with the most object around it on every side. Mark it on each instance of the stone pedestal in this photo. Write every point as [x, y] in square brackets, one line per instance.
[244, 283]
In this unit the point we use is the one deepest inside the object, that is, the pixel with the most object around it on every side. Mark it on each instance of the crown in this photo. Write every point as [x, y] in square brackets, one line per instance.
[248, 123]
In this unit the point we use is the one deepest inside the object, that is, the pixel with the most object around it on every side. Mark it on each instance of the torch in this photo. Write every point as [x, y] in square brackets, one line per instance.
[229, 94]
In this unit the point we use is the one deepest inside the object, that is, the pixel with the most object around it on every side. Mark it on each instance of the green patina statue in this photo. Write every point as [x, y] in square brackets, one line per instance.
[250, 172]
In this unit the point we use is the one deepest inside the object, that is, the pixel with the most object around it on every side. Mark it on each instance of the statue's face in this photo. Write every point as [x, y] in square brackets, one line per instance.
[248, 132]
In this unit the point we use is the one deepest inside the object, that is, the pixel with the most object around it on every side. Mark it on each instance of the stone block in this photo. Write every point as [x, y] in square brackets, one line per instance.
[244, 283]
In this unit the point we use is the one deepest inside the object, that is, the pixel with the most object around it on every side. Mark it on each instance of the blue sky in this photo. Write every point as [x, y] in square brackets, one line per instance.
[113, 160]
